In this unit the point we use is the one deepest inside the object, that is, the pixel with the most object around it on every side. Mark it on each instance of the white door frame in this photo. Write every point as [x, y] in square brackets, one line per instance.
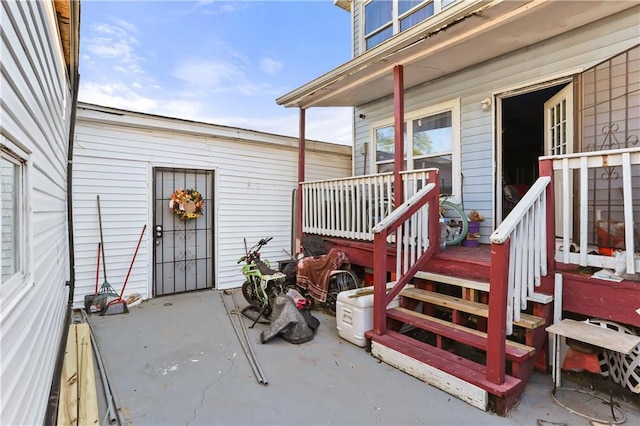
[497, 101]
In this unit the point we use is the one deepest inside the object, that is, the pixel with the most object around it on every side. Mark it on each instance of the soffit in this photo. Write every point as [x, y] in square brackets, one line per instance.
[68, 16]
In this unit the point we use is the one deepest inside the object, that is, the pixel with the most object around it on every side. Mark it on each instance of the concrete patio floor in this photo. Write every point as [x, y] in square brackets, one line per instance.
[176, 360]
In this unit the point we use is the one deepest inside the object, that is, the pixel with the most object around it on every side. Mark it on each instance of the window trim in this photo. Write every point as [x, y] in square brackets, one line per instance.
[13, 290]
[456, 166]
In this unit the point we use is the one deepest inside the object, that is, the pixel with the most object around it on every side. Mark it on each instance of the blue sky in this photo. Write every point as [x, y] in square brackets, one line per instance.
[222, 62]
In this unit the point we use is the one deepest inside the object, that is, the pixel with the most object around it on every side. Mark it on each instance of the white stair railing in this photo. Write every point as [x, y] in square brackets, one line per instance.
[526, 227]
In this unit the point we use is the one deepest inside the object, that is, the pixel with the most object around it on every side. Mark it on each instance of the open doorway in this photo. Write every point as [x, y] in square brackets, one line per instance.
[521, 141]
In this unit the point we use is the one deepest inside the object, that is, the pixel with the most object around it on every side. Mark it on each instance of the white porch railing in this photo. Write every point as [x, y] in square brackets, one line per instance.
[413, 233]
[351, 207]
[526, 227]
[614, 176]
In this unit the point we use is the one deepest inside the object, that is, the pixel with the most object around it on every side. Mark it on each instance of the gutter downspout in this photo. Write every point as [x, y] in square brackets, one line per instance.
[51, 415]
[301, 160]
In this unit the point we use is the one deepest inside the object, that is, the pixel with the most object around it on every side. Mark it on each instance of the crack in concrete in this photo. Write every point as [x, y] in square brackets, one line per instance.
[221, 374]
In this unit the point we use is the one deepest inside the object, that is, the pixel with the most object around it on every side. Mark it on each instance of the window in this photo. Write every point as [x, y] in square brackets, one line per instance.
[431, 139]
[384, 18]
[378, 23]
[12, 220]
[418, 11]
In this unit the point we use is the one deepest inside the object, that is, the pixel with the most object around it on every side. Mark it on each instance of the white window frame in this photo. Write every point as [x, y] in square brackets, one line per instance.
[22, 280]
[438, 6]
[452, 106]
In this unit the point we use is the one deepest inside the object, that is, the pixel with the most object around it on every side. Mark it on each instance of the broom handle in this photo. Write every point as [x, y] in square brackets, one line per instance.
[104, 262]
[98, 268]
[132, 260]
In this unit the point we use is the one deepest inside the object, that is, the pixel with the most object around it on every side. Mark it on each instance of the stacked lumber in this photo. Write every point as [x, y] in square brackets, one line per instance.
[78, 396]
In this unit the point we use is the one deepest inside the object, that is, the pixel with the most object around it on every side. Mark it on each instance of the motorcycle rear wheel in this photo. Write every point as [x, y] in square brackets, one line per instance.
[340, 281]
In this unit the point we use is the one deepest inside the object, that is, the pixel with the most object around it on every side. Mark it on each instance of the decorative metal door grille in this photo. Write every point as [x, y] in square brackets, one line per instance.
[610, 119]
[183, 255]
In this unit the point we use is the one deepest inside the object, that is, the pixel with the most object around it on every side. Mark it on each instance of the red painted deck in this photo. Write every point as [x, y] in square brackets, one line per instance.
[583, 295]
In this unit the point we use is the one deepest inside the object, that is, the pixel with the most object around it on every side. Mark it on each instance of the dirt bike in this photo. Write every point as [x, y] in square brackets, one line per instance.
[262, 284]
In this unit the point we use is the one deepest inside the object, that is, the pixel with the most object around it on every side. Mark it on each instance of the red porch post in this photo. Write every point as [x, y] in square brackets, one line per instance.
[301, 149]
[398, 118]
[497, 327]
[380, 282]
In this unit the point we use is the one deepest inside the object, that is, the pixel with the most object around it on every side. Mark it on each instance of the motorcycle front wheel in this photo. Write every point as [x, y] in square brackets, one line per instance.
[340, 281]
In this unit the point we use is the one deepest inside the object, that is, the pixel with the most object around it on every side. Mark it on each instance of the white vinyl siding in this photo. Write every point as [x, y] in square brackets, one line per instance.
[35, 120]
[561, 55]
[254, 174]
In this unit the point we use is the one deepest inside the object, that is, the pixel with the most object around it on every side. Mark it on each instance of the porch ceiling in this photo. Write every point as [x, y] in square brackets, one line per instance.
[458, 38]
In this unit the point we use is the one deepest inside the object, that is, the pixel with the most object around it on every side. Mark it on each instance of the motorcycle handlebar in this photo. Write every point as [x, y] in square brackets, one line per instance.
[264, 241]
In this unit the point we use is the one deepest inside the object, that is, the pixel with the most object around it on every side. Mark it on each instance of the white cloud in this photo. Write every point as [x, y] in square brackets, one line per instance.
[221, 76]
[115, 44]
[323, 124]
[270, 66]
[118, 95]
[210, 74]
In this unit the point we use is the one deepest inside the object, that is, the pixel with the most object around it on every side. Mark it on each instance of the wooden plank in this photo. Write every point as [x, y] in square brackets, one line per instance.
[452, 364]
[471, 394]
[448, 279]
[540, 298]
[595, 335]
[87, 394]
[475, 338]
[68, 404]
[474, 308]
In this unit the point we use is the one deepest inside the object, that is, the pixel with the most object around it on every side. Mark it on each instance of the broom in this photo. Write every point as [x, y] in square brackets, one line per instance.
[105, 291]
[119, 305]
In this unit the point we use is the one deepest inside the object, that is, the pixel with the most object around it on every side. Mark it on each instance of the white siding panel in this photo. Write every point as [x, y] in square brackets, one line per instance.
[356, 20]
[567, 53]
[34, 89]
[254, 176]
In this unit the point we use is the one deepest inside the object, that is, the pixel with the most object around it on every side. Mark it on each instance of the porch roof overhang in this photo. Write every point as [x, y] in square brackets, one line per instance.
[463, 35]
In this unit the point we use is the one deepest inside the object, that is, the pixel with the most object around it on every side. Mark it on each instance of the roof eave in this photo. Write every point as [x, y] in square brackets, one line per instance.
[343, 4]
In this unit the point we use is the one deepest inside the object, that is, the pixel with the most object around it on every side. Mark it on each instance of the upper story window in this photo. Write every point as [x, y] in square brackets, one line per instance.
[384, 18]
[378, 23]
[431, 140]
[13, 258]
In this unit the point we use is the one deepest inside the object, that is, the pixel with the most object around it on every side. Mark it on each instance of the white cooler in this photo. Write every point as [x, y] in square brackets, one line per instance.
[354, 315]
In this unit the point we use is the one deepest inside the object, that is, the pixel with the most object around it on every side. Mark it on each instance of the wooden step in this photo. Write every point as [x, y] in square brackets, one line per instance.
[467, 283]
[474, 308]
[514, 351]
[451, 280]
[451, 364]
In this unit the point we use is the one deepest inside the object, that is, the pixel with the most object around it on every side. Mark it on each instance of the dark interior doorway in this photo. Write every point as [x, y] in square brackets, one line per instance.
[522, 142]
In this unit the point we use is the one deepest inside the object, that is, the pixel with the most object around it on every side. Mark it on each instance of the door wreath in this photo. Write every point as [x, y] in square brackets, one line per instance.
[187, 203]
